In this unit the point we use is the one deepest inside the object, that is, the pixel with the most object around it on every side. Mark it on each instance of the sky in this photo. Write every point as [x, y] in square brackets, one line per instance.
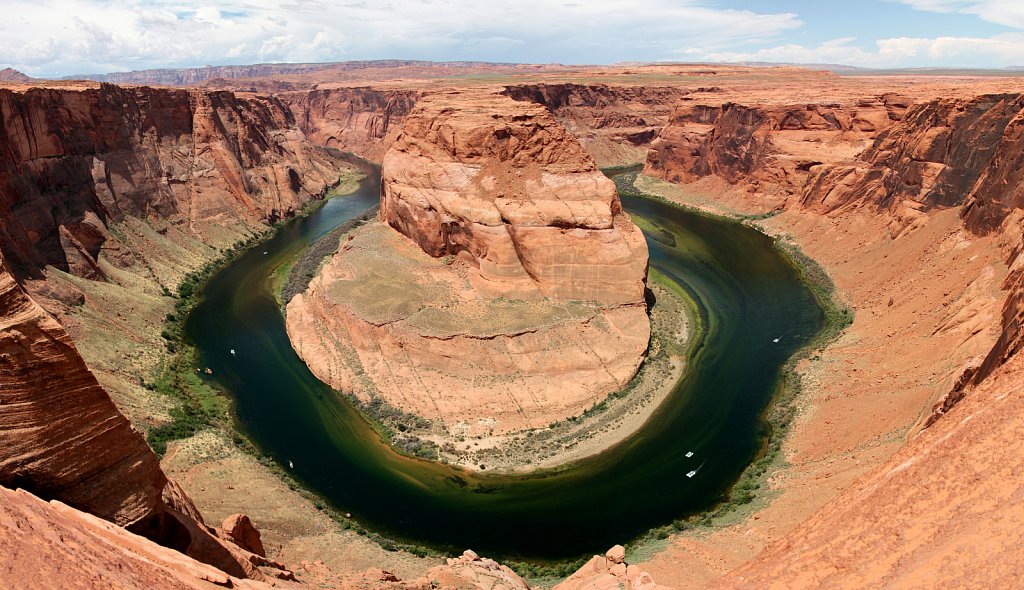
[51, 38]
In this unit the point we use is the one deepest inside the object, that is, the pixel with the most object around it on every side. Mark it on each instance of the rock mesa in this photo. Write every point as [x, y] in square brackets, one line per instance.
[521, 299]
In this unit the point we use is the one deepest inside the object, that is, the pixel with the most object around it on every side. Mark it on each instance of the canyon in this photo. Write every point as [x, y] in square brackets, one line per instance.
[905, 189]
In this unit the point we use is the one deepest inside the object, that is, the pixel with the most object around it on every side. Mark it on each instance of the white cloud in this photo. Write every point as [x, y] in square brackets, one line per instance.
[1009, 13]
[999, 51]
[60, 37]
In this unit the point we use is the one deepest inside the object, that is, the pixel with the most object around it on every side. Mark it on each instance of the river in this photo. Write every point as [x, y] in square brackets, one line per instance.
[756, 312]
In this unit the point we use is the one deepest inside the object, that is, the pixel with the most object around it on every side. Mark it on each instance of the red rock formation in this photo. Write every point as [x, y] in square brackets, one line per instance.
[73, 161]
[615, 124]
[933, 157]
[522, 300]
[364, 121]
[52, 545]
[941, 512]
[767, 147]
[499, 183]
[61, 436]
[610, 571]
[241, 531]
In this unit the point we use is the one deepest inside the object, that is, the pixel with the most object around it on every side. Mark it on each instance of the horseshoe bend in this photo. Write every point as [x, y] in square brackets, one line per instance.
[522, 299]
[411, 324]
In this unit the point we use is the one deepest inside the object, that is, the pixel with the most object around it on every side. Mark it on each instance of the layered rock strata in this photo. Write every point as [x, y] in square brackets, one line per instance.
[766, 147]
[361, 120]
[499, 184]
[614, 123]
[521, 299]
[61, 436]
[212, 164]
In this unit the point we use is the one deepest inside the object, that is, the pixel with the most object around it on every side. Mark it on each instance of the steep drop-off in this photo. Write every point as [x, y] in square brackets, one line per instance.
[614, 123]
[765, 147]
[60, 435]
[914, 228]
[209, 163]
[364, 121]
[88, 177]
[522, 299]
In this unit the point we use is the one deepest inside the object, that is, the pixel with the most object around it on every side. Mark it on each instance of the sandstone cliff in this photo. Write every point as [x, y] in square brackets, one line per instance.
[765, 147]
[364, 121]
[615, 124]
[522, 293]
[902, 523]
[500, 184]
[60, 435]
[210, 163]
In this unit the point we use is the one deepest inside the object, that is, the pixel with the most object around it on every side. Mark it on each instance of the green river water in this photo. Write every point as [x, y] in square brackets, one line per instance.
[747, 294]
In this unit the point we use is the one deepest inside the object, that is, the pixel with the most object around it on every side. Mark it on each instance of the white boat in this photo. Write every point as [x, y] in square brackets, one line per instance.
[689, 454]
[776, 340]
[264, 253]
[692, 473]
[232, 352]
[291, 465]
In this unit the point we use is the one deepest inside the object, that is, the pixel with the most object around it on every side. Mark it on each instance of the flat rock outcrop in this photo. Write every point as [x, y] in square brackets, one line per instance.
[521, 300]
[61, 436]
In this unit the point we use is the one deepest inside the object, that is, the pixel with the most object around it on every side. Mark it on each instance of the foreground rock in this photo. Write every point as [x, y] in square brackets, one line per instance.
[52, 545]
[60, 434]
[610, 571]
[521, 300]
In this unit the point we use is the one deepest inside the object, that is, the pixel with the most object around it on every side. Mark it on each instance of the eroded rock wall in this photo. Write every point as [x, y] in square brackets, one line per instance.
[499, 183]
[614, 124]
[61, 436]
[765, 147]
[210, 163]
[361, 120]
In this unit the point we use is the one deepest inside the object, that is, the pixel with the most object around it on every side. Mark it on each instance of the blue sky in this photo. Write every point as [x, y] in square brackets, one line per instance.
[63, 37]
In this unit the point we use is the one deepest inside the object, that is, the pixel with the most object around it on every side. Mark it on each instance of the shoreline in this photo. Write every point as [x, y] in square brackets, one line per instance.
[612, 420]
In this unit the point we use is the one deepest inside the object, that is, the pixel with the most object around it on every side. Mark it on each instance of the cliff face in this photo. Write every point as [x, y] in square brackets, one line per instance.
[615, 124]
[522, 293]
[768, 147]
[903, 523]
[965, 153]
[364, 121]
[502, 185]
[934, 157]
[73, 161]
[60, 434]
[88, 177]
